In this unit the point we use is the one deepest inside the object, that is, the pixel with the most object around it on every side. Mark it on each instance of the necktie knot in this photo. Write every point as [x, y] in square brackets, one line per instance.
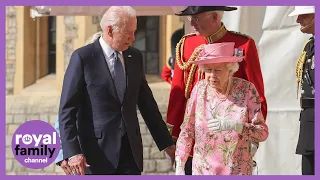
[115, 55]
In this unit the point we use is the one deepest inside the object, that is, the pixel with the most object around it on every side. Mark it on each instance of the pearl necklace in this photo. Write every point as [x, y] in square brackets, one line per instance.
[225, 96]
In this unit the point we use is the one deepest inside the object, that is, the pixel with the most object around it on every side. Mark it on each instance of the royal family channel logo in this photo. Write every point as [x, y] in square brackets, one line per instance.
[35, 144]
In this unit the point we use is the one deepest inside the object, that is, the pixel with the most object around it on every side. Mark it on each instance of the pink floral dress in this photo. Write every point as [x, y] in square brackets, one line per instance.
[224, 152]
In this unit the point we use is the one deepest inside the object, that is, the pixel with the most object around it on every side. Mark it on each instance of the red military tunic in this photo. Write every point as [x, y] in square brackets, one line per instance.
[167, 71]
[249, 69]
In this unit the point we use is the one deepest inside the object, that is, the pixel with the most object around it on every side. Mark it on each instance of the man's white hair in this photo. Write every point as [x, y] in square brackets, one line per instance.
[115, 15]
[219, 14]
[232, 67]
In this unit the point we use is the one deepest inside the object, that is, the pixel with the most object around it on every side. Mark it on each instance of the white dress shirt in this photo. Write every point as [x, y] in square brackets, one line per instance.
[108, 53]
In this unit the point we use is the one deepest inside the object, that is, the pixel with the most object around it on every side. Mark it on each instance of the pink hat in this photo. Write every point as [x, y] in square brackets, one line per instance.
[218, 53]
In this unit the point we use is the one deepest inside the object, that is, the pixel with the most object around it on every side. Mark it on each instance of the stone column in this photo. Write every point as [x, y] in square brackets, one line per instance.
[11, 41]
[25, 73]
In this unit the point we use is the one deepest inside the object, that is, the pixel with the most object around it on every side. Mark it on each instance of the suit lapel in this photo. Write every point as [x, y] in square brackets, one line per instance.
[98, 56]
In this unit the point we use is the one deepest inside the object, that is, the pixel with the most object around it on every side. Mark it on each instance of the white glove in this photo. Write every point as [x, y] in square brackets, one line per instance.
[223, 124]
[179, 166]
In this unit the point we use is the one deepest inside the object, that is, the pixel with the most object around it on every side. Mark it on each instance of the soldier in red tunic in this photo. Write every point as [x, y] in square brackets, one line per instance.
[208, 27]
[167, 71]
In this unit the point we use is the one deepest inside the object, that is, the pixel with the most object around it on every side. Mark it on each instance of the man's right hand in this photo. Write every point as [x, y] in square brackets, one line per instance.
[77, 164]
[65, 167]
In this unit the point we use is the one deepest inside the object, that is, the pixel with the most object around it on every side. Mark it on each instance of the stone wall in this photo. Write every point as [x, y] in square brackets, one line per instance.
[23, 108]
[11, 39]
[71, 32]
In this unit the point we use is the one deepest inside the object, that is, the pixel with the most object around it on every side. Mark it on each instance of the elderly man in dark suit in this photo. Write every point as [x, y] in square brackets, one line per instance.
[103, 84]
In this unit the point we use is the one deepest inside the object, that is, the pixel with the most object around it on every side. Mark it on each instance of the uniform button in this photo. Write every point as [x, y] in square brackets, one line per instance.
[302, 92]
[309, 60]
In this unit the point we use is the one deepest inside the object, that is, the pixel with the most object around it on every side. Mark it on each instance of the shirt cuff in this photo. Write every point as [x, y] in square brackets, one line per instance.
[74, 156]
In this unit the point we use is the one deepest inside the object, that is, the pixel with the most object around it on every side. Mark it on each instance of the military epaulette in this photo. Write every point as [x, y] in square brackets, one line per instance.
[186, 35]
[179, 50]
[299, 66]
[241, 34]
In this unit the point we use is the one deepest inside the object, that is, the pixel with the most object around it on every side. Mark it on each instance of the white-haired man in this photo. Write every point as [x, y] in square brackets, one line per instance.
[305, 72]
[102, 85]
[209, 28]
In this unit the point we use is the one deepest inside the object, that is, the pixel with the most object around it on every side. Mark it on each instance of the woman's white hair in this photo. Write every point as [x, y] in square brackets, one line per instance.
[115, 15]
[232, 67]
[94, 37]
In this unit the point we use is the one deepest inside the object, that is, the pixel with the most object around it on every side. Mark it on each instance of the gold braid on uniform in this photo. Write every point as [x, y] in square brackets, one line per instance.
[300, 63]
[185, 65]
[194, 57]
[179, 54]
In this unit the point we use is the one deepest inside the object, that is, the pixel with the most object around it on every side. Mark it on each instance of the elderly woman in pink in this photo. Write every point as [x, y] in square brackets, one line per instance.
[223, 117]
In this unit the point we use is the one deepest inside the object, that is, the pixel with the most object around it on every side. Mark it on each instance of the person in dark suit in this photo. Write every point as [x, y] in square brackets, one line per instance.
[305, 72]
[103, 83]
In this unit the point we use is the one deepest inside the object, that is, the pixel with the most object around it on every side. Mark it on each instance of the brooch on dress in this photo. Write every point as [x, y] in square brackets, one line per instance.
[238, 52]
